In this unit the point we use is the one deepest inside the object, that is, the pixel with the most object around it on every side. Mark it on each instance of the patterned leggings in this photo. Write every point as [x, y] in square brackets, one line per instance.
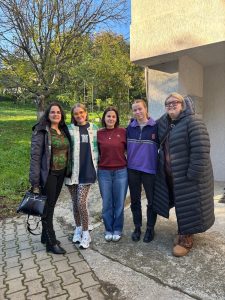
[79, 193]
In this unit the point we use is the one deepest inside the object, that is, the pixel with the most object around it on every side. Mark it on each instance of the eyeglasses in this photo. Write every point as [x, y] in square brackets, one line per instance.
[172, 103]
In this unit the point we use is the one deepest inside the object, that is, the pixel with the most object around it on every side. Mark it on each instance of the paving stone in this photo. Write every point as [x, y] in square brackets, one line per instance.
[38, 247]
[14, 285]
[64, 241]
[13, 273]
[70, 248]
[28, 264]
[95, 292]
[62, 266]
[2, 285]
[10, 237]
[31, 274]
[68, 277]
[10, 244]
[74, 257]
[12, 262]
[35, 238]
[21, 295]
[74, 290]
[10, 231]
[56, 257]
[60, 234]
[87, 280]
[81, 267]
[49, 276]
[2, 293]
[1, 269]
[54, 289]
[26, 253]
[62, 297]
[24, 245]
[21, 231]
[34, 287]
[41, 255]
[41, 296]
[45, 265]
[2, 260]
[11, 252]
[22, 238]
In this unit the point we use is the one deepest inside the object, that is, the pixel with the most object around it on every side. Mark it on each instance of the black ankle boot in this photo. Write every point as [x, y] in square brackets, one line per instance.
[43, 240]
[149, 235]
[56, 249]
[136, 235]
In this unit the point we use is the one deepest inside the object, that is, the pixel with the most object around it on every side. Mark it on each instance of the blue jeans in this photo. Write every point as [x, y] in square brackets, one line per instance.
[113, 188]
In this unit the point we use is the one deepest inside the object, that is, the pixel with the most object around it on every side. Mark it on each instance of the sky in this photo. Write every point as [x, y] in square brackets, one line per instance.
[124, 29]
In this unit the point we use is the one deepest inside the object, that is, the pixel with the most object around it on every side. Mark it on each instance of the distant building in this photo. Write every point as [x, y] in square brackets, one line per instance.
[182, 46]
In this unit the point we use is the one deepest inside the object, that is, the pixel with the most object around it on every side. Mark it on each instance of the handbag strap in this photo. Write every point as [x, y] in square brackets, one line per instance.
[171, 126]
[32, 229]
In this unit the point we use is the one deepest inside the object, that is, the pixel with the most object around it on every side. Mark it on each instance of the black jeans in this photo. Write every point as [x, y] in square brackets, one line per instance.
[52, 190]
[135, 181]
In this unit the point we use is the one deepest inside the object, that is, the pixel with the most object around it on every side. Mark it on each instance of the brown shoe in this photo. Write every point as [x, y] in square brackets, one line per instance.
[184, 245]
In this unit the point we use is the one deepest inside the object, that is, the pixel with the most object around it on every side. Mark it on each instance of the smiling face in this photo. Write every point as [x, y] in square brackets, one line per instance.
[55, 115]
[140, 112]
[80, 115]
[174, 107]
[110, 119]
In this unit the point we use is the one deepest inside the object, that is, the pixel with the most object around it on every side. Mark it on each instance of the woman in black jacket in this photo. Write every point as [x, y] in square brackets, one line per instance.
[185, 177]
[50, 163]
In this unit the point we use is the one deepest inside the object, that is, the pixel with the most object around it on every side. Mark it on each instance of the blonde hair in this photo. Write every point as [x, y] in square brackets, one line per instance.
[80, 105]
[143, 103]
[178, 97]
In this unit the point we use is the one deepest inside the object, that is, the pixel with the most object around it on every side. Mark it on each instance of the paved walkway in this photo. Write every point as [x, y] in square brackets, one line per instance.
[27, 271]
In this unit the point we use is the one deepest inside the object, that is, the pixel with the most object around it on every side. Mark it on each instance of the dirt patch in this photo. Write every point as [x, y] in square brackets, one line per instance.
[7, 208]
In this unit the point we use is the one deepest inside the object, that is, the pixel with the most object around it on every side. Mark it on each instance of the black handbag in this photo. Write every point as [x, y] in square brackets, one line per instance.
[32, 205]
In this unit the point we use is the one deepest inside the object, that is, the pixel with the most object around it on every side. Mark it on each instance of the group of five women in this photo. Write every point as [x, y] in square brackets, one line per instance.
[79, 153]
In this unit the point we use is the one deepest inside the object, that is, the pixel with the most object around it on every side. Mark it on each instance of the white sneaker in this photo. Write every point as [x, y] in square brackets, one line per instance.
[116, 237]
[85, 241]
[77, 235]
[108, 237]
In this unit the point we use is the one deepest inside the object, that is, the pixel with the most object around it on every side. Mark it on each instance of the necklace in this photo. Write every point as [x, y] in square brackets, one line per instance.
[109, 133]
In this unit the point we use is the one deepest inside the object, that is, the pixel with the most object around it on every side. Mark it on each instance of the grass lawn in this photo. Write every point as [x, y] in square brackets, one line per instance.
[16, 123]
[15, 132]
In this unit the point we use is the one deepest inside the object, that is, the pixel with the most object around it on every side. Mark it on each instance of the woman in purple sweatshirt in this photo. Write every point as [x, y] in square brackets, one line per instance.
[142, 153]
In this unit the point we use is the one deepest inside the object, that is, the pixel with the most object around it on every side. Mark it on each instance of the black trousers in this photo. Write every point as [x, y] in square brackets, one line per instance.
[52, 190]
[135, 181]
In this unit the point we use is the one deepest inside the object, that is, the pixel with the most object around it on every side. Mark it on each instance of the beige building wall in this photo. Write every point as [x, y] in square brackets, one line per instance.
[214, 116]
[167, 26]
[182, 46]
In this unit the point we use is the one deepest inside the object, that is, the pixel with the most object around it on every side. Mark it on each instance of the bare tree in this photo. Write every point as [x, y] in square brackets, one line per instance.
[45, 33]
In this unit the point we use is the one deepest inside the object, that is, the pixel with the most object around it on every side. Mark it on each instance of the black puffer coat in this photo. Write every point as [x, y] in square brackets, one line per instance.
[41, 154]
[189, 150]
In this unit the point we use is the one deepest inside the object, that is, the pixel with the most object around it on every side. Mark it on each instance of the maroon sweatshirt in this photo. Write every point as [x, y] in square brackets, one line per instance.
[112, 147]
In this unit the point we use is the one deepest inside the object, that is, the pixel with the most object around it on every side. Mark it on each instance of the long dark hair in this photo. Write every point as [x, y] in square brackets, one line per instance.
[110, 108]
[72, 110]
[45, 117]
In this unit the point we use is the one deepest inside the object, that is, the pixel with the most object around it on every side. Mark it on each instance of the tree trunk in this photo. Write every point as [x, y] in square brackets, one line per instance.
[40, 106]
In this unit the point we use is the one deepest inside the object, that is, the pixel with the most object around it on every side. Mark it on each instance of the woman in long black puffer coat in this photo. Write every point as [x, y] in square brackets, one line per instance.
[185, 177]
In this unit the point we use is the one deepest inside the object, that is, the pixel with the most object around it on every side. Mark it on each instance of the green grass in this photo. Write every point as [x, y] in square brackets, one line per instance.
[15, 132]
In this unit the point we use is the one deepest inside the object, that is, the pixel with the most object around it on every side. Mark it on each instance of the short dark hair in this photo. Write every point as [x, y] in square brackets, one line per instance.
[110, 108]
[72, 109]
[45, 117]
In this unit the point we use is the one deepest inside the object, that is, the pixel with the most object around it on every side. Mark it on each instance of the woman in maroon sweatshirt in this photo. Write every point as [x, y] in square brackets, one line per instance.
[112, 173]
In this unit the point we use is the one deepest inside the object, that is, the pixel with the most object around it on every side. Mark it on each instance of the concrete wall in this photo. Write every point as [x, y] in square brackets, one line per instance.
[167, 26]
[214, 116]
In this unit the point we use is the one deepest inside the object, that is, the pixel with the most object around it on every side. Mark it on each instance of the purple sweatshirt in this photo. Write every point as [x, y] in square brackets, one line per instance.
[142, 147]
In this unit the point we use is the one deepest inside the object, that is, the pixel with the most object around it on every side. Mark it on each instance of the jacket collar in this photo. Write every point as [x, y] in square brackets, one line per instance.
[150, 122]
